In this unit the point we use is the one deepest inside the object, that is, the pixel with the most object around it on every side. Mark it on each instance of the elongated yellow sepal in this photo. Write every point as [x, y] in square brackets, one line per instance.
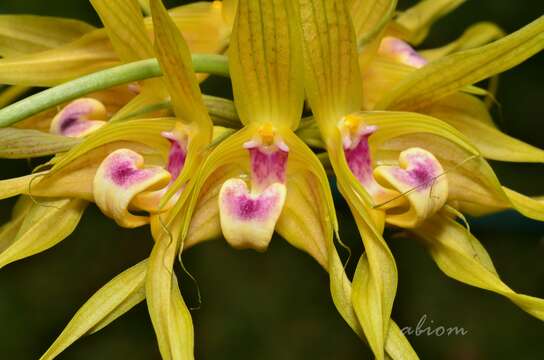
[331, 71]
[169, 314]
[25, 143]
[417, 20]
[45, 224]
[124, 24]
[469, 115]
[461, 256]
[265, 62]
[175, 60]
[9, 230]
[370, 17]
[113, 300]
[396, 346]
[476, 35]
[26, 34]
[451, 73]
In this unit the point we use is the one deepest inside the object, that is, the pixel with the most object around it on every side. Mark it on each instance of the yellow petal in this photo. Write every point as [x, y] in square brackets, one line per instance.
[144, 4]
[370, 17]
[146, 132]
[175, 60]
[90, 53]
[461, 256]
[205, 223]
[265, 62]
[46, 223]
[124, 24]
[206, 26]
[113, 300]
[375, 281]
[170, 317]
[11, 94]
[418, 19]
[491, 142]
[25, 34]
[453, 72]
[25, 143]
[138, 106]
[331, 71]
[476, 35]
[463, 106]
[396, 346]
[9, 230]
[229, 10]
[119, 178]
[379, 77]
[302, 220]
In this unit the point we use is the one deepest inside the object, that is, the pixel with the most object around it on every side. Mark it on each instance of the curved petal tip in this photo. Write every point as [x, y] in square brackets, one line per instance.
[119, 178]
[79, 118]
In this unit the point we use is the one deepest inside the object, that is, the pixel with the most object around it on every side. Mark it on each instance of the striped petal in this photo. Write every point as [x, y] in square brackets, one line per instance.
[265, 62]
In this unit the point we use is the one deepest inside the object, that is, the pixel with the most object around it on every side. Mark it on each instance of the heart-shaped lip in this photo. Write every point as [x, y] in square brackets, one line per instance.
[79, 118]
[248, 219]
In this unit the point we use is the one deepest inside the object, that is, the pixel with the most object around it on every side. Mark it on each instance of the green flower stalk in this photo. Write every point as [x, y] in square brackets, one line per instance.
[406, 134]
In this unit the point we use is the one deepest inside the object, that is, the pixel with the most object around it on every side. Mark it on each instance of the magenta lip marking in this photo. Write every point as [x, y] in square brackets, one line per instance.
[245, 207]
[360, 161]
[176, 159]
[420, 173]
[268, 168]
[123, 173]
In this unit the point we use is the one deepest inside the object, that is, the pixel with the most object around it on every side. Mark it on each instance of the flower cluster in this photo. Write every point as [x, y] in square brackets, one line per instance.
[404, 133]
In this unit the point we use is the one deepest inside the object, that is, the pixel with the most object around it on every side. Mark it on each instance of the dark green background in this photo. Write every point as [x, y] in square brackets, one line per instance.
[277, 305]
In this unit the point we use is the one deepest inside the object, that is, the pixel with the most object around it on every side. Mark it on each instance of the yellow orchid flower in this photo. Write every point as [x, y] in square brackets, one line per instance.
[405, 133]
[402, 169]
[122, 167]
[273, 169]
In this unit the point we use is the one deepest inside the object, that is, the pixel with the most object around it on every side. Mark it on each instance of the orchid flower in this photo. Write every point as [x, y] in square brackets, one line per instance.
[406, 136]
[263, 177]
[408, 170]
[121, 166]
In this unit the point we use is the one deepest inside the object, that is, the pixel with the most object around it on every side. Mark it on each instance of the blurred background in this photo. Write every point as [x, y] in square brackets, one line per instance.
[277, 305]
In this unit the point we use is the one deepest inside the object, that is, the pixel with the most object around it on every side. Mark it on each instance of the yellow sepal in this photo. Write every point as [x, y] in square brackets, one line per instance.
[265, 61]
[113, 300]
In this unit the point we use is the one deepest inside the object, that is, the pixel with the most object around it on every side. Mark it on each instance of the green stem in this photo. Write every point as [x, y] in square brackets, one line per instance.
[122, 74]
